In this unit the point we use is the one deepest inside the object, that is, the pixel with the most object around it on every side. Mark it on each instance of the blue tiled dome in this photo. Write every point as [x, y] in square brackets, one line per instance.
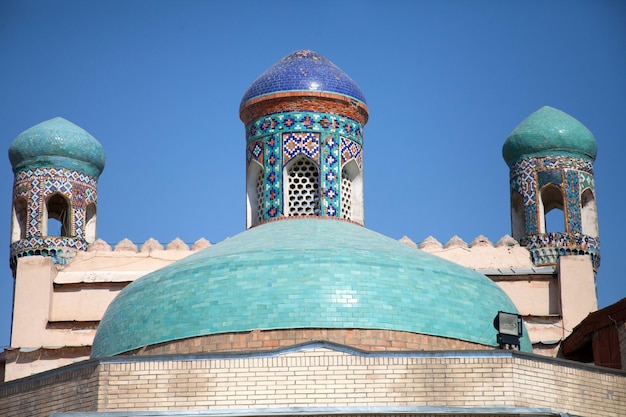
[549, 131]
[57, 143]
[304, 71]
[303, 273]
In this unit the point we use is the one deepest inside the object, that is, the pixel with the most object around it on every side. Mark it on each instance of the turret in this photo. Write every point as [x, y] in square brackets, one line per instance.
[304, 121]
[550, 156]
[56, 166]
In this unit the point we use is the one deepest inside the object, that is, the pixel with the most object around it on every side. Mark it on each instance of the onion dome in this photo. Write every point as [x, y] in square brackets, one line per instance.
[57, 143]
[549, 131]
[303, 273]
[304, 71]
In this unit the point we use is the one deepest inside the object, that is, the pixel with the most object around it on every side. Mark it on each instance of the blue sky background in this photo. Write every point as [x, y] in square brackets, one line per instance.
[159, 84]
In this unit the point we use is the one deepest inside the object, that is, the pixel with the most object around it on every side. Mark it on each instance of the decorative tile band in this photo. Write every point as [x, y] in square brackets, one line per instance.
[351, 150]
[328, 140]
[60, 249]
[306, 143]
[547, 247]
[330, 178]
[36, 185]
[572, 204]
[33, 187]
[551, 163]
[303, 121]
[572, 175]
[273, 171]
[58, 173]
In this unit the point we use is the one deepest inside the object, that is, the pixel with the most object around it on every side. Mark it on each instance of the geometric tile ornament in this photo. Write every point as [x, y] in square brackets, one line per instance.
[328, 140]
[35, 186]
[305, 143]
[573, 176]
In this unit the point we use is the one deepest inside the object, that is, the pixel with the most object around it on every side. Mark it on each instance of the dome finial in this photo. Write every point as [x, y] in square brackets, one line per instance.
[549, 131]
[57, 143]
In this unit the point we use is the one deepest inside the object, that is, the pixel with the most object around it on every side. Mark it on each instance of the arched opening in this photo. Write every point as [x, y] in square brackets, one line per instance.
[352, 192]
[589, 214]
[19, 221]
[254, 194]
[90, 223]
[518, 217]
[57, 216]
[551, 209]
[302, 196]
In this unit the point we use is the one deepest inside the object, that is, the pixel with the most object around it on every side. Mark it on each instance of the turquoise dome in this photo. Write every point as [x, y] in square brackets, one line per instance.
[57, 143]
[303, 273]
[549, 131]
[303, 71]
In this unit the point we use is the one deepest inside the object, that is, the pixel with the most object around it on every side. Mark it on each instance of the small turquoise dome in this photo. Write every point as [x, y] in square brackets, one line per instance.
[57, 143]
[303, 273]
[549, 131]
[303, 71]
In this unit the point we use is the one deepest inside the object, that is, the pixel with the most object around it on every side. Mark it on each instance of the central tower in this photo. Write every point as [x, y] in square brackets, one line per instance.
[304, 121]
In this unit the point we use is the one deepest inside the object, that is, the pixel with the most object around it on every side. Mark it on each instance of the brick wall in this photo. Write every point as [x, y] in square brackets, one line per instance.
[370, 340]
[319, 376]
[328, 378]
[74, 388]
[311, 101]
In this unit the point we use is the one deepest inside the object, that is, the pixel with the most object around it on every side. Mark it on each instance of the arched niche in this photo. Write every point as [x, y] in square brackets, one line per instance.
[352, 192]
[57, 216]
[254, 194]
[90, 223]
[551, 209]
[518, 217]
[589, 214]
[19, 219]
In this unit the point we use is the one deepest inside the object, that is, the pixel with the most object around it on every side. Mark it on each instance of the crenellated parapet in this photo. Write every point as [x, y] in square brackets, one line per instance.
[479, 254]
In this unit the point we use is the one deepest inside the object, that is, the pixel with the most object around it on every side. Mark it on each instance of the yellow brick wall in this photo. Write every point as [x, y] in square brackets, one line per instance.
[321, 377]
[326, 378]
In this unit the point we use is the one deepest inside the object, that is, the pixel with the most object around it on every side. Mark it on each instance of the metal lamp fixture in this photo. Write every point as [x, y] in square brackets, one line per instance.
[509, 327]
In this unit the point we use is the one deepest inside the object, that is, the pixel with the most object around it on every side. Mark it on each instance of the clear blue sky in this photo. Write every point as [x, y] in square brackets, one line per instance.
[159, 84]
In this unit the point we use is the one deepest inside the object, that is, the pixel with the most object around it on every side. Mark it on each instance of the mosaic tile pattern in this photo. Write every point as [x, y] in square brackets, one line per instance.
[305, 143]
[546, 248]
[273, 168]
[35, 186]
[305, 121]
[254, 152]
[304, 273]
[304, 71]
[586, 181]
[60, 249]
[328, 140]
[573, 194]
[573, 176]
[330, 179]
[549, 177]
[351, 150]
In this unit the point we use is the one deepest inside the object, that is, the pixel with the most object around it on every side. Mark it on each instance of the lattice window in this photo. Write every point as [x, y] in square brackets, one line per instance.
[303, 188]
[346, 195]
[259, 196]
